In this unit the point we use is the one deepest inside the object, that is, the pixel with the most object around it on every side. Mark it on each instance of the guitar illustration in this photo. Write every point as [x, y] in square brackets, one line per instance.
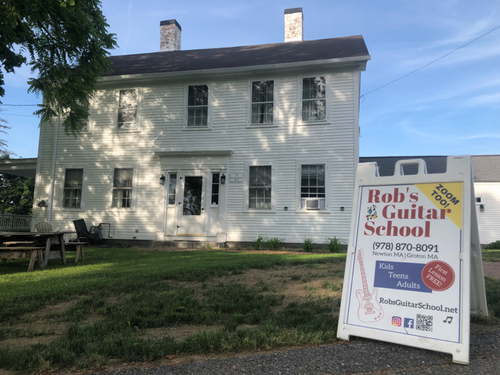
[369, 309]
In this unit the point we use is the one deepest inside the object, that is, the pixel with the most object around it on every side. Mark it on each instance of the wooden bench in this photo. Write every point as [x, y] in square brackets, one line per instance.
[78, 247]
[7, 252]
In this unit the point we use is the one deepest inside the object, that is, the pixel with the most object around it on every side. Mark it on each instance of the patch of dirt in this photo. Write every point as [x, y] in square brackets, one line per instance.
[179, 333]
[492, 269]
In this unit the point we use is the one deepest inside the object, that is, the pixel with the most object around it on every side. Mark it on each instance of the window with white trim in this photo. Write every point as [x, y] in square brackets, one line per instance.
[122, 187]
[260, 187]
[127, 109]
[312, 187]
[197, 106]
[215, 189]
[262, 102]
[73, 182]
[313, 99]
[172, 183]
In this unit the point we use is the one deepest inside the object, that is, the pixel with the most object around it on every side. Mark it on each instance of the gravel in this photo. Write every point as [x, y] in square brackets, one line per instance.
[356, 357]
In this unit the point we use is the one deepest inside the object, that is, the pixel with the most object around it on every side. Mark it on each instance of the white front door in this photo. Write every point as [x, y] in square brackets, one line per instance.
[191, 205]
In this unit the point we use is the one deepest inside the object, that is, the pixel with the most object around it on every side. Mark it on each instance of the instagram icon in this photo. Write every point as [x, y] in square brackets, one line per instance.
[396, 321]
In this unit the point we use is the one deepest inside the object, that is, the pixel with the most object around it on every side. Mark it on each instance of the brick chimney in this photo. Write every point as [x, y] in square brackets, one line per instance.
[293, 25]
[170, 36]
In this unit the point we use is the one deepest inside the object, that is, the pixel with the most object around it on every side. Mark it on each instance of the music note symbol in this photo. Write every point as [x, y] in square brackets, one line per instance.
[448, 319]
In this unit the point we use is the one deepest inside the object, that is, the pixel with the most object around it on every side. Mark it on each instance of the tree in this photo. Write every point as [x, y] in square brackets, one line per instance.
[66, 43]
[16, 193]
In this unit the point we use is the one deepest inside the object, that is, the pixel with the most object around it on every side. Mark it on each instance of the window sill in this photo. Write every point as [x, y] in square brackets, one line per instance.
[127, 130]
[313, 212]
[265, 212]
[260, 126]
[73, 209]
[196, 128]
[307, 123]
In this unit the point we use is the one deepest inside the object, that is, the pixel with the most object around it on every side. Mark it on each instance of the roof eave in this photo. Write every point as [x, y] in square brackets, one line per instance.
[358, 62]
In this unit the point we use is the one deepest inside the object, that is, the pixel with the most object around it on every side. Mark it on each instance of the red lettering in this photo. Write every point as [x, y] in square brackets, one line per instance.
[386, 214]
[369, 226]
[413, 197]
[373, 196]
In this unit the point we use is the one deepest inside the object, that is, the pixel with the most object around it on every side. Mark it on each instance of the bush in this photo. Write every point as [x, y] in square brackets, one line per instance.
[308, 245]
[334, 245]
[493, 246]
[258, 243]
[275, 243]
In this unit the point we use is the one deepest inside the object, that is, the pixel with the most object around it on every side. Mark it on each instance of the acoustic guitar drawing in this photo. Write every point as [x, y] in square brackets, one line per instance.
[369, 309]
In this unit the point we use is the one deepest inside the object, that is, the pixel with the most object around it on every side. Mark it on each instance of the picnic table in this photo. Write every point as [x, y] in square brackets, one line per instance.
[32, 245]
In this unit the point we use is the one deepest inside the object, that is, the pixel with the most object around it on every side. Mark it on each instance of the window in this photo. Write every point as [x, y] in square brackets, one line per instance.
[197, 106]
[262, 102]
[314, 99]
[172, 182]
[259, 187]
[215, 188]
[73, 181]
[127, 109]
[122, 188]
[312, 187]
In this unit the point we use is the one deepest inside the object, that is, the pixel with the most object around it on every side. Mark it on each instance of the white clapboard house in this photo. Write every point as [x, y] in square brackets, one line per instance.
[213, 145]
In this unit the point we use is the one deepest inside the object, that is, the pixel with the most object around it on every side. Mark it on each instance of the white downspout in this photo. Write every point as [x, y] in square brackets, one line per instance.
[52, 177]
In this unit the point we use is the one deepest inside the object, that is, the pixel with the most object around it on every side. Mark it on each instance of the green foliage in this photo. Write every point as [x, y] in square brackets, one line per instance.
[258, 242]
[491, 255]
[308, 245]
[493, 246]
[274, 243]
[16, 193]
[334, 245]
[66, 43]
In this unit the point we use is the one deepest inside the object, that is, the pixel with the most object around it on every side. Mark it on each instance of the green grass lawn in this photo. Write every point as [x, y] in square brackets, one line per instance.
[126, 305]
[127, 291]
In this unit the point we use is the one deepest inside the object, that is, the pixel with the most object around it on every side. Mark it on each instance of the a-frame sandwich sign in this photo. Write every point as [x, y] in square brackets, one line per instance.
[414, 271]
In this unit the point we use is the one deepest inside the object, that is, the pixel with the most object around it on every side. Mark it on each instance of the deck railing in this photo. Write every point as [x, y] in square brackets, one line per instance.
[15, 223]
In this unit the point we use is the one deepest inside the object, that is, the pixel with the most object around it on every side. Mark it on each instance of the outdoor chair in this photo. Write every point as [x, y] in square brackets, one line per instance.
[43, 227]
[84, 235]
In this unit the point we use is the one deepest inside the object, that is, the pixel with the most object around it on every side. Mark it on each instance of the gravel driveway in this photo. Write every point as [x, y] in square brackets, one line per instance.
[356, 357]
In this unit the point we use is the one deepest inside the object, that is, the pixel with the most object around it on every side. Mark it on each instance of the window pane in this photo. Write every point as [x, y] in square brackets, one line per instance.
[312, 181]
[313, 88]
[192, 195]
[123, 178]
[198, 95]
[127, 109]
[171, 188]
[263, 93]
[259, 192]
[73, 178]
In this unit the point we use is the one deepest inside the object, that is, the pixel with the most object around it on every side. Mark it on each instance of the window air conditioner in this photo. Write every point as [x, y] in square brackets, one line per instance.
[312, 204]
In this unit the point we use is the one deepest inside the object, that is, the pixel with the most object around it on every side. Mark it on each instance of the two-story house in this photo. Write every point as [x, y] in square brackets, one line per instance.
[216, 145]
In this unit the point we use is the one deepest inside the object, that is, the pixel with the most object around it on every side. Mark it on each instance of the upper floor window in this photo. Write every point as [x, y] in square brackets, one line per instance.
[197, 106]
[122, 187]
[127, 109]
[312, 187]
[262, 102]
[313, 99]
[73, 182]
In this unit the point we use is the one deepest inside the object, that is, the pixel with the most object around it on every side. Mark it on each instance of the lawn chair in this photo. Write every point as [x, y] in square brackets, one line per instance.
[84, 235]
[43, 227]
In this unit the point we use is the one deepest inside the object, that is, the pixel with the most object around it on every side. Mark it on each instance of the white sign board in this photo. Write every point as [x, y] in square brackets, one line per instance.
[407, 276]
[235, 177]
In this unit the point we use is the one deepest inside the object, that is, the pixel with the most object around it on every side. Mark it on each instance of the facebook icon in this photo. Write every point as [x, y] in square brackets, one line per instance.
[409, 323]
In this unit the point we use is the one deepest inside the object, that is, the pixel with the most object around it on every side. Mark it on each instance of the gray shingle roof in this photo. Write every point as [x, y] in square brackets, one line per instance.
[486, 168]
[235, 57]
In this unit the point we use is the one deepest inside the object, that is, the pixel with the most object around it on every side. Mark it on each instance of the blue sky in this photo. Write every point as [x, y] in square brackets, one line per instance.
[451, 107]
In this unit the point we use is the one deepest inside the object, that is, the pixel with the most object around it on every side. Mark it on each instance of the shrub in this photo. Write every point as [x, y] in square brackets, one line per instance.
[274, 243]
[334, 245]
[258, 243]
[308, 245]
[493, 246]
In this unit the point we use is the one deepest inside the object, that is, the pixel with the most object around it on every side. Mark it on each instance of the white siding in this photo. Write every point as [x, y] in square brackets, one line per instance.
[489, 219]
[161, 126]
